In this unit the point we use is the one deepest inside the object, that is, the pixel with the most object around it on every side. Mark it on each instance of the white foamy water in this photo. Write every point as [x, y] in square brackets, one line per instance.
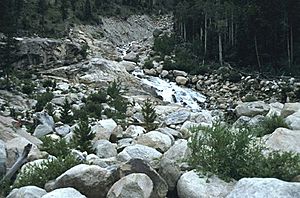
[171, 92]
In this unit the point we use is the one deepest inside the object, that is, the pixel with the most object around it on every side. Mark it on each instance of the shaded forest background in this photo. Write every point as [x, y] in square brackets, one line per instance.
[253, 35]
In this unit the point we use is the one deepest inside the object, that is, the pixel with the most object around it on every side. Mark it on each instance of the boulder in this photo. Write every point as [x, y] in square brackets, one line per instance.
[284, 139]
[178, 117]
[132, 57]
[252, 109]
[204, 118]
[275, 109]
[173, 132]
[180, 80]
[45, 119]
[192, 186]
[171, 162]
[63, 130]
[179, 73]
[289, 109]
[27, 192]
[100, 132]
[34, 51]
[105, 149]
[160, 187]
[155, 139]
[138, 151]
[133, 131]
[293, 121]
[42, 130]
[64, 193]
[108, 124]
[3, 158]
[63, 86]
[265, 187]
[129, 66]
[89, 180]
[14, 149]
[136, 185]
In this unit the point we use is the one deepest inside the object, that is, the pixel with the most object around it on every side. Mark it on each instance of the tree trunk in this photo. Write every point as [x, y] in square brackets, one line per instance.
[288, 49]
[256, 51]
[232, 30]
[220, 49]
[205, 34]
[292, 45]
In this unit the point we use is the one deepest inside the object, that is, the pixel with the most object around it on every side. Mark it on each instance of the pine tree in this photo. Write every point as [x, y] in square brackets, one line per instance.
[88, 10]
[149, 115]
[83, 136]
[65, 117]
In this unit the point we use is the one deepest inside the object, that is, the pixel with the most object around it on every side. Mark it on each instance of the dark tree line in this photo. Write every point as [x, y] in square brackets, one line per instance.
[259, 33]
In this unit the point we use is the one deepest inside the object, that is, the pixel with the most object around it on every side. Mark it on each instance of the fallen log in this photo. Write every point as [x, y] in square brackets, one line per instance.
[17, 165]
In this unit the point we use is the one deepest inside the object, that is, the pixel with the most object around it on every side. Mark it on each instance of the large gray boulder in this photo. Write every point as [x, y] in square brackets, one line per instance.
[105, 149]
[252, 109]
[293, 121]
[27, 192]
[172, 161]
[136, 185]
[34, 51]
[155, 139]
[177, 117]
[90, 180]
[192, 186]
[289, 109]
[3, 158]
[64, 193]
[42, 130]
[134, 131]
[265, 187]
[138, 151]
[160, 187]
[284, 140]
[45, 119]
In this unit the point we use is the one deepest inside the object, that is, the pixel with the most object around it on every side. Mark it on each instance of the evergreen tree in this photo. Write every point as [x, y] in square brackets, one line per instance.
[64, 9]
[88, 10]
[65, 117]
[149, 115]
[83, 136]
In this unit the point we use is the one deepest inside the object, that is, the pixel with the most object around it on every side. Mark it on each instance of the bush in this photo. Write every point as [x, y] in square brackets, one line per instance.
[270, 124]
[83, 136]
[28, 88]
[148, 64]
[164, 45]
[99, 97]
[236, 154]
[49, 83]
[149, 115]
[57, 148]
[42, 100]
[39, 174]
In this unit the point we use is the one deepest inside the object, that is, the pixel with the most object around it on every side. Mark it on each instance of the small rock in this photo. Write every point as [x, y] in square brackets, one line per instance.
[64, 193]
[133, 131]
[180, 80]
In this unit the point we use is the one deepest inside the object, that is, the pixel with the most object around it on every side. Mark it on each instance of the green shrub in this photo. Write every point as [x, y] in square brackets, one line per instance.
[164, 45]
[99, 97]
[93, 109]
[149, 115]
[42, 100]
[236, 154]
[57, 148]
[114, 89]
[270, 124]
[39, 175]
[49, 83]
[50, 109]
[148, 64]
[28, 88]
[83, 136]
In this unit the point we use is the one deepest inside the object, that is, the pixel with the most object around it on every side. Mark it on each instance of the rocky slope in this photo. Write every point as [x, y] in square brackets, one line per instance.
[136, 162]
